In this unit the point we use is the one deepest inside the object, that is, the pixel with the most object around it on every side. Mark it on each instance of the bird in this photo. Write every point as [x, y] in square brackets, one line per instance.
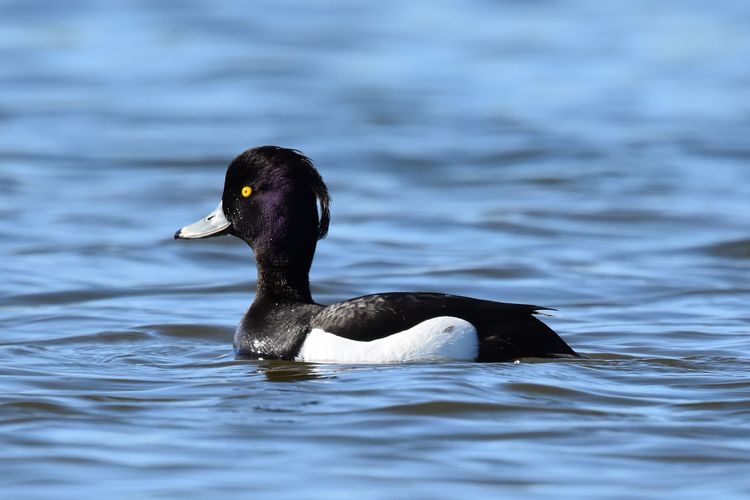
[270, 200]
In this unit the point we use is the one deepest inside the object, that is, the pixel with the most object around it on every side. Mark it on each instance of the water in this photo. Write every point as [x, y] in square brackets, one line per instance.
[592, 157]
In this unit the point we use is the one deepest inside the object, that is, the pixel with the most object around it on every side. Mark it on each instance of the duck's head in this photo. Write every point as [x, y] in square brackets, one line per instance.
[270, 201]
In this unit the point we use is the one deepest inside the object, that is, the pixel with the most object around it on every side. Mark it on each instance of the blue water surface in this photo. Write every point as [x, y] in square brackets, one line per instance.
[588, 156]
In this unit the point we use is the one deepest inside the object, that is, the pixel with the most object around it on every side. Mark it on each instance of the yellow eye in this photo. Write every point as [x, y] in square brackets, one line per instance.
[247, 191]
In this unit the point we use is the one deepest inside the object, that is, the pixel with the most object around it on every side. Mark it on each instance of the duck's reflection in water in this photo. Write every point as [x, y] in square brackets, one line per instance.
[293, 371]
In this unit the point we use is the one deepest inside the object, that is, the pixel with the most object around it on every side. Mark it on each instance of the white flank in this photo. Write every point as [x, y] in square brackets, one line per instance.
[438, 339]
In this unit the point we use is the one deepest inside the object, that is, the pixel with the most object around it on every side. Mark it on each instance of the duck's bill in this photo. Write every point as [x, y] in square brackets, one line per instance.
[214, 224]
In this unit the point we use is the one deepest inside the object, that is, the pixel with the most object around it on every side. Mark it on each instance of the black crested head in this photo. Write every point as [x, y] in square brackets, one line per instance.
[295, 168]
[271, 197]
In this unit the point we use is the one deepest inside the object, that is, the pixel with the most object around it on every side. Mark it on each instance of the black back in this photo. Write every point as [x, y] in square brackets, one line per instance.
[506, 331]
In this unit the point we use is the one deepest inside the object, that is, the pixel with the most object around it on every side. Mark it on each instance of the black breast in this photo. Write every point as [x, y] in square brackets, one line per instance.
[273, 331]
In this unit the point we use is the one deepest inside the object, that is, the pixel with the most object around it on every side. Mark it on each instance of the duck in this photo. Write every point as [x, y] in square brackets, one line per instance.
[275, 200]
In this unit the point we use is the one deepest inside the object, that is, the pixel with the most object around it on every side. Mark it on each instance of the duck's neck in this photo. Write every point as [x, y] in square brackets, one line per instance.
[283, 285]
[283, 274]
